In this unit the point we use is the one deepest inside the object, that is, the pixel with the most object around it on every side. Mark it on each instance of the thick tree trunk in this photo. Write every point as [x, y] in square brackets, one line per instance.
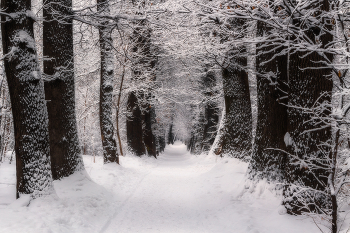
[110, 153]
[59, 89]
[28, 100]
[310, 87]
[236, 135]
[134, 127]
[268, 159]
[236, 138]
[149, 139]
[211, 110]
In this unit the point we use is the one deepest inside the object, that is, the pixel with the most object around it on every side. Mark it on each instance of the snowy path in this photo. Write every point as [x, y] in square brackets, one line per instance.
[176, 193]
[166, 200]
[183, 195]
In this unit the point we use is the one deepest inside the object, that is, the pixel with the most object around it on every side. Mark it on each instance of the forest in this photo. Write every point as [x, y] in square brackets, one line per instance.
[132, 104]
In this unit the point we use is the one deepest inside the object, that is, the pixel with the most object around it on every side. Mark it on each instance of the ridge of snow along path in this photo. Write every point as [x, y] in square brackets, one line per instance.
[176, 193]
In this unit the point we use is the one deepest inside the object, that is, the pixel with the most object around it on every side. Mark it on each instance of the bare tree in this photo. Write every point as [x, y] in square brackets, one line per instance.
[59, 88]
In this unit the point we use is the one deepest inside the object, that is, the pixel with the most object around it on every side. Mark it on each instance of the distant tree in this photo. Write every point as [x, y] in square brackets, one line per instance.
[27, 98]
[171, 136]
[139, 125]
[66, 155]
[211, 110]
[197, 129]
[148, 135]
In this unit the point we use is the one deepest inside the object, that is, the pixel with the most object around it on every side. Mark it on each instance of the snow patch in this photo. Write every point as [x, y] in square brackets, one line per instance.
[22, 201]
[288, 140]
[31, 15]
[24, 37]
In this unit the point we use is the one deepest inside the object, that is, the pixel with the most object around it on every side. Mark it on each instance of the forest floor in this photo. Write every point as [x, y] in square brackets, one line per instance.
[176, 193]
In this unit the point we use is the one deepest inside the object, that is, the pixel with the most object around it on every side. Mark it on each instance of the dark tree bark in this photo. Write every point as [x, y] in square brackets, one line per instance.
[236, 138]
[210, 126]
[59, 89]
[236, 134]
[27, 99]
[110, 153]
[161, 143]
[171, 136]
[211, 110]
[148, 63]
[268, 159]
[148, 136]
[134, 127]
[2, 93]
[310, 87]
[197, 132]
[118, 107]
[142, 71]
[193, 145]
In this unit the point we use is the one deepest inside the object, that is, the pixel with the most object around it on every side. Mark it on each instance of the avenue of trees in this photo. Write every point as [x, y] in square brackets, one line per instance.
[262, 81]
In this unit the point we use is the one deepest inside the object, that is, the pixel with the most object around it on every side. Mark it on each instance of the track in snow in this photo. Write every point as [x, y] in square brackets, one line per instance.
[181, 195]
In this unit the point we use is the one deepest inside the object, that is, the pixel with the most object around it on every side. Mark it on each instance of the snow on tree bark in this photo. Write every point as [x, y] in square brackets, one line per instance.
[110, 153]
[310, 87]
[236, 135]
[26, 89]
[66, 155]
[205, 115]
[211, 110]
[268, 159]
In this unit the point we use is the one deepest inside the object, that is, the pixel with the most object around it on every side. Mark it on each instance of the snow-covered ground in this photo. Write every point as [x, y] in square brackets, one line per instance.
[176, 193]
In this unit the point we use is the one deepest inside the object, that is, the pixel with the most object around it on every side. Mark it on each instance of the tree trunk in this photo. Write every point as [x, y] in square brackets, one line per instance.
[134, 127]
[309, 126]
[161, 143]
[171, 137]
[268, 161]
[27, 99]
[236, 138]
[110, 153]
[142, 72]
[149, 139]
[59, 88]
[211, 110]
[118, 108]
[2, 113]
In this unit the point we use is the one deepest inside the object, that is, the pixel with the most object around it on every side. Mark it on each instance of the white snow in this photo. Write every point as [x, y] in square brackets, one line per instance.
[288, 140]
[23, 36]
[176, 193]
